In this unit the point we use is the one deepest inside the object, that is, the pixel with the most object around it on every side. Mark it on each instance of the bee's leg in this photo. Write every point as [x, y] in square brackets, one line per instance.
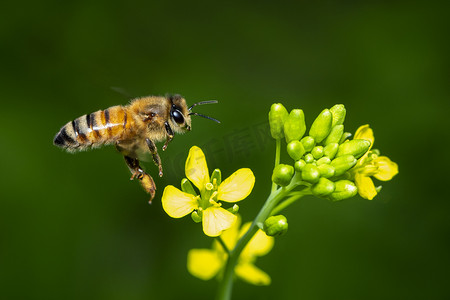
[154, 152]
[137, 172]
[169, 135]
[135, 168]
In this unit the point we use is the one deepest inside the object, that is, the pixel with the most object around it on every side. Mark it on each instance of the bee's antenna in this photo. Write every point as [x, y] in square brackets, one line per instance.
[203, 116]
[201, 103]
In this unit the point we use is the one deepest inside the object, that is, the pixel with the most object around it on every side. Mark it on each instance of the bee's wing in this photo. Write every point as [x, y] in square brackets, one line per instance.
[122, 91]
[135, 149]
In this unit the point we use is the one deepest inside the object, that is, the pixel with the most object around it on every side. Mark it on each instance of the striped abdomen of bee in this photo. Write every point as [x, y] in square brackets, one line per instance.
[95, 129]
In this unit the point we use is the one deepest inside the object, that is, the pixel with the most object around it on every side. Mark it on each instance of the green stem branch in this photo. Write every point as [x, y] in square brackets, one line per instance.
[224, 246]
[277, 160]
[294, 196]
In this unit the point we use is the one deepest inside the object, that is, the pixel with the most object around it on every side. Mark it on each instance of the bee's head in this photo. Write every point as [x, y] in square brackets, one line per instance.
[180, 114]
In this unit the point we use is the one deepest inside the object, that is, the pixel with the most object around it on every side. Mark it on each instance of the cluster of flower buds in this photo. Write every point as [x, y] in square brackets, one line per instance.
[323, 157]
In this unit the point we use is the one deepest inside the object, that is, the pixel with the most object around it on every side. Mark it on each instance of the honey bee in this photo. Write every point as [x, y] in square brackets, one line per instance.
[133, 129]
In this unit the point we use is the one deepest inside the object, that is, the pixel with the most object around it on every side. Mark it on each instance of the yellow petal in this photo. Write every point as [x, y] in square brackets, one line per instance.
[386, 168]
[259, 245]
[366, 133]
[236, 187]
[252, 274]
[216, 219]
[229, 236]
[366, 188]
[196, 168]
[176, 203]
[204, 263]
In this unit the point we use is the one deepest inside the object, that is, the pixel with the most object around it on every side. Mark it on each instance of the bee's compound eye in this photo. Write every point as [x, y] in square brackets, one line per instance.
[177, 116]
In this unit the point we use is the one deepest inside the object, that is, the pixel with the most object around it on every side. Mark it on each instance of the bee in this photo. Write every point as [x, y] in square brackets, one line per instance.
[133, 129]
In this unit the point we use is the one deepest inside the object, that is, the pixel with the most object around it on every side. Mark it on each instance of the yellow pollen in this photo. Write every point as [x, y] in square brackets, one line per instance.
[209, 186]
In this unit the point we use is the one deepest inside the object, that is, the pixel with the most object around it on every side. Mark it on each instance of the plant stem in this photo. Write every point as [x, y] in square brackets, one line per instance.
[277, 160]
[285, 203]
[224, 246]
[226, 285]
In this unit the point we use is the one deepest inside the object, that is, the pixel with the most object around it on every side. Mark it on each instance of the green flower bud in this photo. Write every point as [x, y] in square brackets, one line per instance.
[277, 116]
[338, 111]
[326, 171]
[187, 187]
[275, 225]
[330, 150]
[234, 209]
[317, 152]
[323, 187]
[357, 148]
[294, 127]
[216, 178]
[196, 216]
[344, 189]
[309, 158]
[308, 143]
[321, 126]
[282, 174]
[295, 150]
[345, 137]
[310, 173]
[299, 165]
[335, 134]
[324, 160]
[343, 163]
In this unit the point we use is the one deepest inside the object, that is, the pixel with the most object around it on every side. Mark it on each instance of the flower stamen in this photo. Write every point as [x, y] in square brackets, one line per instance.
[209, 186]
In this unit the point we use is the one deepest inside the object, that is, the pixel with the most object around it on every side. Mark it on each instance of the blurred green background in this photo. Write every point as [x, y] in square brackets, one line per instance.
[75, 227]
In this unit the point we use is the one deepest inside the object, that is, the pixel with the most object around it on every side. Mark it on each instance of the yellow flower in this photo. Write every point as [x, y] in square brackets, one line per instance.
[207, 263]
[215, 219]
[371, 164]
